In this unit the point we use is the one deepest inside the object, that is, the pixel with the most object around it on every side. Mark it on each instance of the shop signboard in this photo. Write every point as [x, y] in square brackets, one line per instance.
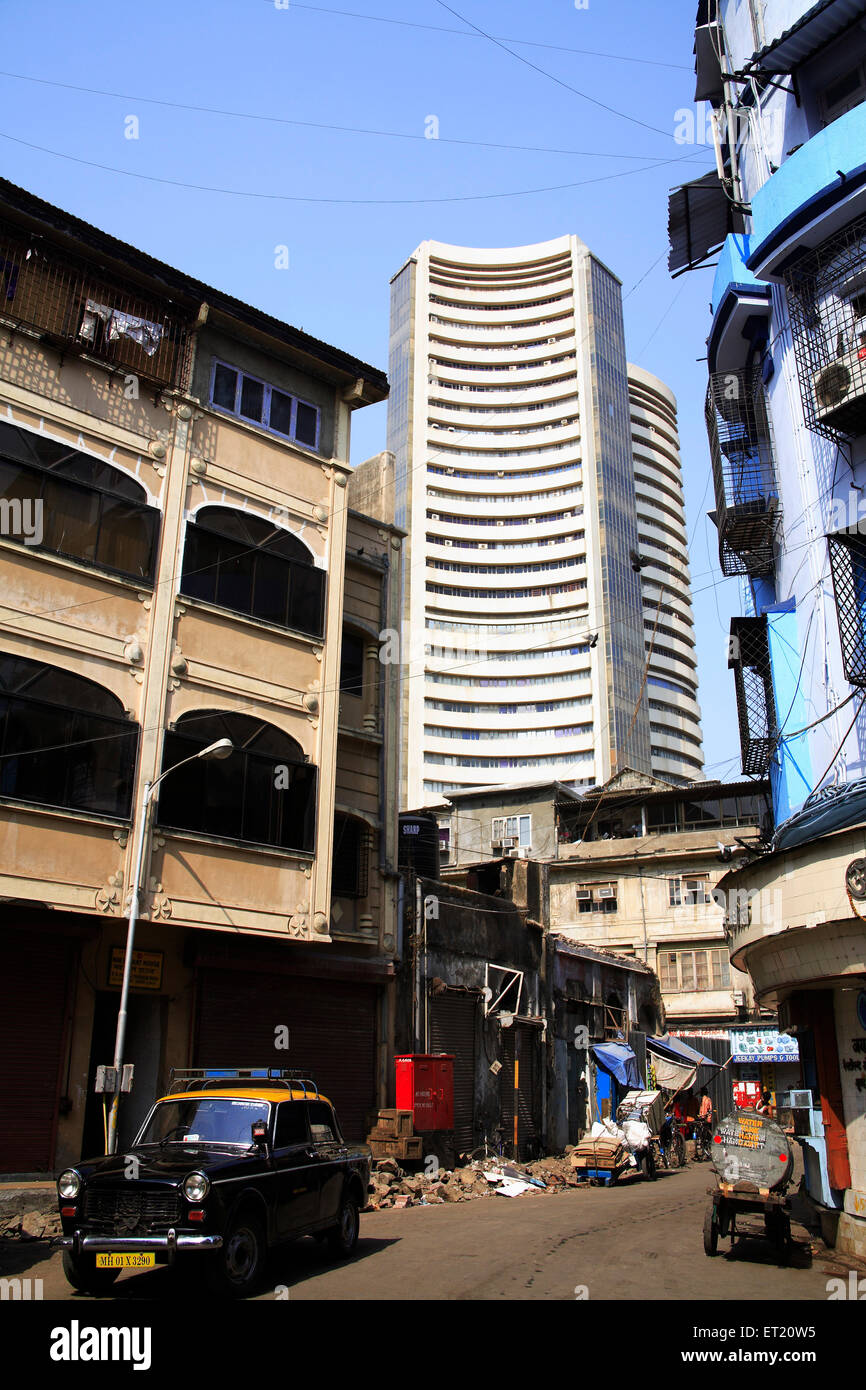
[763, 1045]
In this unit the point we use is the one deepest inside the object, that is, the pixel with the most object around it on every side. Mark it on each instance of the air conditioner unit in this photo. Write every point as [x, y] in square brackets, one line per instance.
[512, 853]
[801, 1100]
[447, 541]
[584, 895]
[839, 386]
[500, 523]
[509, 841]
[524, 851]
[739, 998]
[607, 892]
[496, 844]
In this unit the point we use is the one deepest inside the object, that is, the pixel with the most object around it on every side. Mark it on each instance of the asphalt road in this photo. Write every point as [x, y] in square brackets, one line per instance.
[638, 1241]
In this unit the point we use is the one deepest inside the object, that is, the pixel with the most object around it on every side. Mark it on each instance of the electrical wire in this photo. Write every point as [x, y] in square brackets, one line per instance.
[462, 33]
[331, 202]
[841, 745]
[603, 105]
[321, 125]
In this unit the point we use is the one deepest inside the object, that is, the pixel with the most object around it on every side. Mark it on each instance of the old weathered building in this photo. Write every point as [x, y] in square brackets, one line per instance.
[180, 564]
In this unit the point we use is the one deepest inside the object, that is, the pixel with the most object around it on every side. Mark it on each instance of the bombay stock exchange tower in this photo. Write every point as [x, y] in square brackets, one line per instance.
[546, 571]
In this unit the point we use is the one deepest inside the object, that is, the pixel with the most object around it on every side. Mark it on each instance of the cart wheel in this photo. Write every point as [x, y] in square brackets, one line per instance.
[711, 1231]
[784, 1243]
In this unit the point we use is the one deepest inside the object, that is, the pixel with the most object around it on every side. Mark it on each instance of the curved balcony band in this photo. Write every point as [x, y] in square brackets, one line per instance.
[741, 308]
[818, 190]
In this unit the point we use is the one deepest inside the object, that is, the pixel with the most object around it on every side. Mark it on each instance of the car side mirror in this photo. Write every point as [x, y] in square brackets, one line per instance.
[259, 1130]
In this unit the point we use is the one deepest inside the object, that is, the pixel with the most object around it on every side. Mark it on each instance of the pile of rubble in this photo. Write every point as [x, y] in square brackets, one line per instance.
[393, 1187]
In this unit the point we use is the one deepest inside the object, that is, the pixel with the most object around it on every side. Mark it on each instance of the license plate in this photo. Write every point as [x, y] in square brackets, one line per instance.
[131, 1259]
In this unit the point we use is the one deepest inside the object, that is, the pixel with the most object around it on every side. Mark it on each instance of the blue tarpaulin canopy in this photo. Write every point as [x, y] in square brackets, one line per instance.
[620, 1061]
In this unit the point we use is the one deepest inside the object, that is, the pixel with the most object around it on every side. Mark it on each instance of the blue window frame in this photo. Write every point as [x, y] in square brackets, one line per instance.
[256, 401]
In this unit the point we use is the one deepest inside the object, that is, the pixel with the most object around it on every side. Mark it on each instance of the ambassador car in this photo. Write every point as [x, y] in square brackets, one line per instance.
[226, 1166]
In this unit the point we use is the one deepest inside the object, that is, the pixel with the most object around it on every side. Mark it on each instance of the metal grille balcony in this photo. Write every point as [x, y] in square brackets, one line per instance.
[44, 289]
[827, 305]
[744, 475]
[848, 567]
[756, 707]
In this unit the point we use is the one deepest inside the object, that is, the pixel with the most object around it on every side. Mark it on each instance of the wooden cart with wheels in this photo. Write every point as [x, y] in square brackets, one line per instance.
[727, 1203]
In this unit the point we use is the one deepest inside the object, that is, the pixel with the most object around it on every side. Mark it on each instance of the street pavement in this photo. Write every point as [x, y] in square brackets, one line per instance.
[638, 1240]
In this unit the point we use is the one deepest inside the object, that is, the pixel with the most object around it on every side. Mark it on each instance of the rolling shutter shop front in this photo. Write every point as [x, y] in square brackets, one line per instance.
[331, 1026]
[452, 1029]
[37, 971]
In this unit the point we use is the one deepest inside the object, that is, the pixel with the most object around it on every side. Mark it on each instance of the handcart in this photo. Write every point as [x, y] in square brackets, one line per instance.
[754, 1164]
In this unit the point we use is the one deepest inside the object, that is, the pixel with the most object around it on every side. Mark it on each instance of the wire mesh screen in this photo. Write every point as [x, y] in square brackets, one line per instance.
[42, 287]
[756, 707]
[744, 473]
[848, 567]
[827, 305]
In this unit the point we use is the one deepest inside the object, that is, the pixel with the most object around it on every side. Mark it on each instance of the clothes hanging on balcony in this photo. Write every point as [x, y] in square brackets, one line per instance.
[120, 325]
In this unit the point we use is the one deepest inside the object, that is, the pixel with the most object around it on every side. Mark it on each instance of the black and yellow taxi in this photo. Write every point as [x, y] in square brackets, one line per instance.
[227, 1165]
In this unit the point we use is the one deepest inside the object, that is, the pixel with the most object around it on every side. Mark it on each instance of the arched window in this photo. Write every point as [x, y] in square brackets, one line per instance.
[64, 741]
[264, 793]
[53, 497]
[247, 564]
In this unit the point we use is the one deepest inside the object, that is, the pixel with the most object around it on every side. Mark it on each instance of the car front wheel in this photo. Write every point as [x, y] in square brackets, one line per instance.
[82, 1274]
[343, 1238]
[237, 1267]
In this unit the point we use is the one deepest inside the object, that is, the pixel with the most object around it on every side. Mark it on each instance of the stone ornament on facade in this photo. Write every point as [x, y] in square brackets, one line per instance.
[107, 898]
[160, 904]
[298, 926]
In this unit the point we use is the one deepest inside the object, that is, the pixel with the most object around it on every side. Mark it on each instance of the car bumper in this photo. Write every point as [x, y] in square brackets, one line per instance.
[168, 1243]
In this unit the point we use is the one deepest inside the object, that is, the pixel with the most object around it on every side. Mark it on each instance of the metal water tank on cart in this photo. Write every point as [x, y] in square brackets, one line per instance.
[754, 1163]
[418, 843]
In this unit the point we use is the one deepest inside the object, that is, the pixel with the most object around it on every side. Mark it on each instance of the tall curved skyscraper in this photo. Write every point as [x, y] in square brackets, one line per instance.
[538, 477]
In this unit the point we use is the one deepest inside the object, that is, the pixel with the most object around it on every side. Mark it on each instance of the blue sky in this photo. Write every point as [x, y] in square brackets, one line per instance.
[351, 205]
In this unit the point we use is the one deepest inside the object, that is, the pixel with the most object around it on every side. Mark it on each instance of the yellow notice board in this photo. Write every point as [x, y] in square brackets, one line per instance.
[146, 972]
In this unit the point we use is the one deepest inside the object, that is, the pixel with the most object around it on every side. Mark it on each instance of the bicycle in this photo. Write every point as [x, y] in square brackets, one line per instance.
[672, 1146]
[703, 1141]
[498, 1150]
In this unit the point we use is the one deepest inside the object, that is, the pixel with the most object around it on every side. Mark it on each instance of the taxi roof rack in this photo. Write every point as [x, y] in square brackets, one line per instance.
[213, 1078]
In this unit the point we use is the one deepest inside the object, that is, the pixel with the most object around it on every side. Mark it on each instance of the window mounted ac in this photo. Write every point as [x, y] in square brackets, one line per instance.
[584, 895]
[512, 853]
[607, 892]
[509, 841]
[524, 851]
[801, 1100]
[839, 385]
[447, 541]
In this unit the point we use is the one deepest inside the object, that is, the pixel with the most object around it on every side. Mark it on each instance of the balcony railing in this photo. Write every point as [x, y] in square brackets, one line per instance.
[827, 305]
[756, 705]
[44, 290]
[744, 474]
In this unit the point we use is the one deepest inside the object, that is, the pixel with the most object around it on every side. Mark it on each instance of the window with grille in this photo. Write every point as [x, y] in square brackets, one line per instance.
[753, 683]
[826, 294]
[262, 404]
[350, 871]
[848, 568]
[744, 473]
[597, 897]
[687, 972]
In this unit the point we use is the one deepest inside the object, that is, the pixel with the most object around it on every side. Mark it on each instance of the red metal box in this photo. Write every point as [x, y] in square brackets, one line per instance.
[425, 1085]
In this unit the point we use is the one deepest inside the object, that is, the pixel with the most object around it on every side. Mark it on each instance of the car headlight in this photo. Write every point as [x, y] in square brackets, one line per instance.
[69, 1183]
[196, 1187]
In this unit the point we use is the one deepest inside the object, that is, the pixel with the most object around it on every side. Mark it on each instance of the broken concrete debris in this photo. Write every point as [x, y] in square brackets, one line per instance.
[393, 1187]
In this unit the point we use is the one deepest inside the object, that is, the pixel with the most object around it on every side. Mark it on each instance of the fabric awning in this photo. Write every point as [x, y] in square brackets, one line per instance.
[675, 1063]
[700, 216]
[620, 1061]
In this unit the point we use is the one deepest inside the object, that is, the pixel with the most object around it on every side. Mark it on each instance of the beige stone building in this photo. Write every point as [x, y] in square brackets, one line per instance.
[183, 560]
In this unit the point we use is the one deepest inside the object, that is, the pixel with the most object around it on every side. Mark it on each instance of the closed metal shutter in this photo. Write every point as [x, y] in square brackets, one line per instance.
[521, 1044]
[452, 1029]
[332, 1033]
[37, 972]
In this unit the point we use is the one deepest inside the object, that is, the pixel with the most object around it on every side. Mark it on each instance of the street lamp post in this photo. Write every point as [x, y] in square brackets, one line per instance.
[223, 748]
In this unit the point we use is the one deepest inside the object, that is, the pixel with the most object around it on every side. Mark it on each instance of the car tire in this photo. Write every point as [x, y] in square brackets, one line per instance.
[343, 1237]
[236, 1268]
[82, 1274]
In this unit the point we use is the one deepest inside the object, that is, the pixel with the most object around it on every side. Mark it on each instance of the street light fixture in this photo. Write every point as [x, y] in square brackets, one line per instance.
[223, 748]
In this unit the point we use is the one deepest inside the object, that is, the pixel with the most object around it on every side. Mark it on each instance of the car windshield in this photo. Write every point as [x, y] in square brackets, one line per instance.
[204, 1120]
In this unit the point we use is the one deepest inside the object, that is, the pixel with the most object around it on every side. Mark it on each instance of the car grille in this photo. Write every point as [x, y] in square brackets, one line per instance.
[129, 1212]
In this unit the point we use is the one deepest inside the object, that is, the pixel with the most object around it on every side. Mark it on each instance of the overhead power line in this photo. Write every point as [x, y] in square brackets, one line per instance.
[342, 202]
